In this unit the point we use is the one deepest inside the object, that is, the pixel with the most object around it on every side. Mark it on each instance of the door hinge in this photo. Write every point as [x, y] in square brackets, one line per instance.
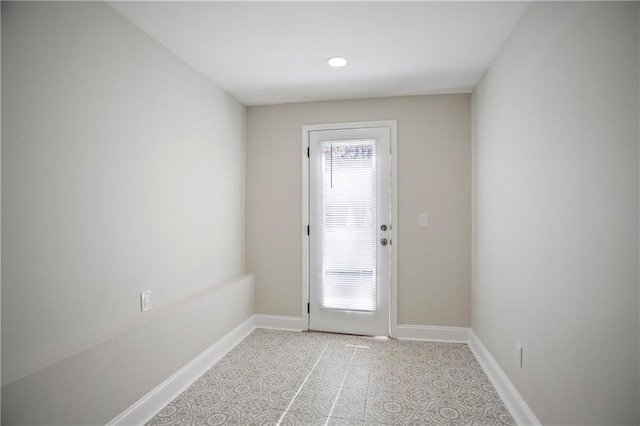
[308, 152]
[308, 230]
[308, 308]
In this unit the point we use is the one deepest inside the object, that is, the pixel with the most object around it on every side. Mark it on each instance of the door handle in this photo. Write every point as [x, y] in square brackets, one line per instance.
[383, 241]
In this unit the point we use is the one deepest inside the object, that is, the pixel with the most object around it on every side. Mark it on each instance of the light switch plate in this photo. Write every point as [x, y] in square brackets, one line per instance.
[145, 301]
[423, 220]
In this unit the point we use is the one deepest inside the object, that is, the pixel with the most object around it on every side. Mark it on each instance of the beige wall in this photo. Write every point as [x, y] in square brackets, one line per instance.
[122, 171]
[94, 386]
[433, 176]
[0, 211]
[555, 232]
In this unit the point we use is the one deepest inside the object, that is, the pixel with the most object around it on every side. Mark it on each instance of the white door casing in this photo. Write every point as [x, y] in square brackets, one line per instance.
[350, 197]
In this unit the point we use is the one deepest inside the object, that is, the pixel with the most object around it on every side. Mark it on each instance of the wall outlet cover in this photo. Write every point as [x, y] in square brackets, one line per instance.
[518, 354]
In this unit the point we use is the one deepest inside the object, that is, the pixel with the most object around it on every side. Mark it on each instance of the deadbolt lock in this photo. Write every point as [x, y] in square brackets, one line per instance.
[383, 227]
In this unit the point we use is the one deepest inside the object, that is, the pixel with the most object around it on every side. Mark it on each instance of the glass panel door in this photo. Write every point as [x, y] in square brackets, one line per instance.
[349, 204]
[348, 228]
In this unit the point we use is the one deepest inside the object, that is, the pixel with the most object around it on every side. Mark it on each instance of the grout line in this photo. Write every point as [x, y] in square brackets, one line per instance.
[344, 377]
[366, 395]
[300, 388]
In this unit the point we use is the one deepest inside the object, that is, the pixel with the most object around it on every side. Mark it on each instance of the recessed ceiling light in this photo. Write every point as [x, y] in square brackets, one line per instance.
[337, 61]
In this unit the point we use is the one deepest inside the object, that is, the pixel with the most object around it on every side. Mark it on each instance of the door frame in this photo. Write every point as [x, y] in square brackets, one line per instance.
[393, 291]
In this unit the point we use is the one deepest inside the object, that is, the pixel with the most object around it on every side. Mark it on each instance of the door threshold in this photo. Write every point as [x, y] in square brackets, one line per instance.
[366, 336]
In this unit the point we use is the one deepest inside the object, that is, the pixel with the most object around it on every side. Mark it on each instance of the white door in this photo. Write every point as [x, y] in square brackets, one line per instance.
[350, 235]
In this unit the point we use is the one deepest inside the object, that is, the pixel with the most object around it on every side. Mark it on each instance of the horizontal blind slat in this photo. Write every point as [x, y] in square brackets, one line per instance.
[348, 240]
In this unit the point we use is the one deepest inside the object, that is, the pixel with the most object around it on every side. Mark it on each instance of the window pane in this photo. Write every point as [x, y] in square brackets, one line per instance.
[348, 204]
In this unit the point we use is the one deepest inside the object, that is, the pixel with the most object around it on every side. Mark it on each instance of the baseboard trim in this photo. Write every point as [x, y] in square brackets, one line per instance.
[276, 322]
[148, 406]
[520, 411]
[432, 333]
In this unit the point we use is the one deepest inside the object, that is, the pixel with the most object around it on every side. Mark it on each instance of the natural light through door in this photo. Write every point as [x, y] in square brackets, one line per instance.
[348, 224]
[349, 208]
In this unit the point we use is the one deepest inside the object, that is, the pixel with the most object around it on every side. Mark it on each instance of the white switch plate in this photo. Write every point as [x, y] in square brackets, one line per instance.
[145, 301]
[423, 220]
[518, 354]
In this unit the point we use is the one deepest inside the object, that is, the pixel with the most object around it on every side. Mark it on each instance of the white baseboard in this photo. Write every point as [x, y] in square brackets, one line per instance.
[280, 323]
[432, 333]
[149, 405]
[520, 411]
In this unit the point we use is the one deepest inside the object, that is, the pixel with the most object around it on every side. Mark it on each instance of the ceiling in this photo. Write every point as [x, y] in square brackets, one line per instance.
[276, 52]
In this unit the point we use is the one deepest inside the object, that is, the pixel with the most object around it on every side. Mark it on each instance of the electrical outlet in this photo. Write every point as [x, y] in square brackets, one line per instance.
[145, 301]
[518, 354]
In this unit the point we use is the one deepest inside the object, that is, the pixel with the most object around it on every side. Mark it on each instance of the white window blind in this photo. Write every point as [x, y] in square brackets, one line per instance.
[348, 225]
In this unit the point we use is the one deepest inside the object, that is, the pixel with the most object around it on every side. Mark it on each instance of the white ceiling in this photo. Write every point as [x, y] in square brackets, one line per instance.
[276, 52]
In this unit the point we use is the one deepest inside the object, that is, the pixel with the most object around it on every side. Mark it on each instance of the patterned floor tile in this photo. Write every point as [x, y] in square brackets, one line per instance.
[278, 377]
[300, 401]
[392, 380]
[393, 408]
[293, 418]
[343, 403]
[333, 421]
[357, 377]
[334, 375]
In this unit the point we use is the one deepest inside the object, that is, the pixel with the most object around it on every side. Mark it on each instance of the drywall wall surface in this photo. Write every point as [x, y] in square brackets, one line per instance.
[434, 158]
[96, 385]
[122, 171]
[0, 205]
[555, 211]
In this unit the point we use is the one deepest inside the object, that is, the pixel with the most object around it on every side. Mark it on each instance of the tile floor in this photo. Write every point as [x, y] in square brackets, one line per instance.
[288, 378]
